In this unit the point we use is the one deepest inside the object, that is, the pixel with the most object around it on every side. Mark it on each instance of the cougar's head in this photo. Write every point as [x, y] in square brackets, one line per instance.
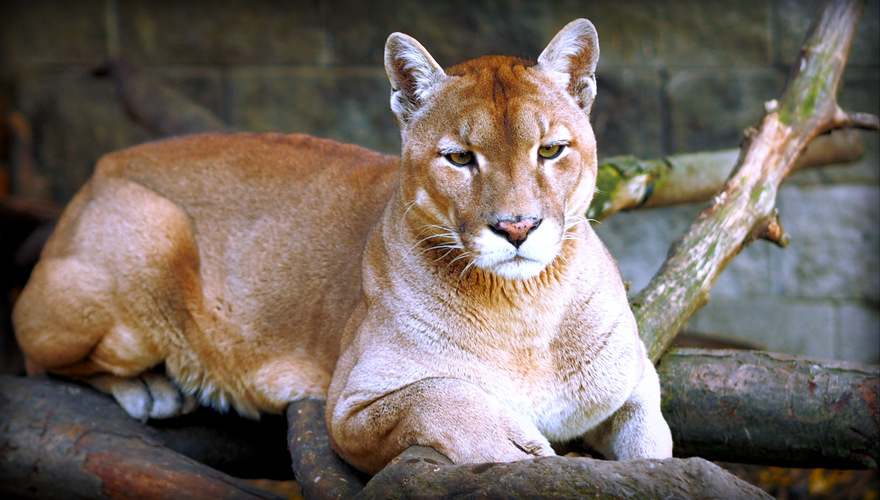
[499, 159]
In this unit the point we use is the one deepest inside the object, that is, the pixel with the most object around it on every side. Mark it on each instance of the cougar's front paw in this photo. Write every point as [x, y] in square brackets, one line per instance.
[504, 440]
[149, 395]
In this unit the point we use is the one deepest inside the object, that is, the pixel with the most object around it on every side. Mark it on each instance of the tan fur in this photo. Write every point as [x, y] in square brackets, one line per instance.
[466, 307]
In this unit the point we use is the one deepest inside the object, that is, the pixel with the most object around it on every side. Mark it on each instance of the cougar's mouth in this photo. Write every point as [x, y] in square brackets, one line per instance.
[516, 260]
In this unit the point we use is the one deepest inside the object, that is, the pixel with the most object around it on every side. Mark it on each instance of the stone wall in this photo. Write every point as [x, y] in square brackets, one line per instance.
[675, 76]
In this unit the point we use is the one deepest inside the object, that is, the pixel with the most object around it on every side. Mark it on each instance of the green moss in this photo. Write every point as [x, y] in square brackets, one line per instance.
[813, 89]
[607, 180]
[613, 171]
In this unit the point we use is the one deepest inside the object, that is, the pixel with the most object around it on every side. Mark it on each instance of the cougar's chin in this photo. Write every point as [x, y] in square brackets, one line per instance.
[517, 269]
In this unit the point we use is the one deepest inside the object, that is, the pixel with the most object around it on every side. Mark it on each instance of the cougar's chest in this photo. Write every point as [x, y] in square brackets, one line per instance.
[566, 379]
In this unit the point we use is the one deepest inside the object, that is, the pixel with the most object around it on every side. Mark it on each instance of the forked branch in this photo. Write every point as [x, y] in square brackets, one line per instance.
[745, 207]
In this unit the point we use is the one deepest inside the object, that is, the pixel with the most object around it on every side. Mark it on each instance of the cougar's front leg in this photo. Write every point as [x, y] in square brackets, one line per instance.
[457, 418]
[637, 429]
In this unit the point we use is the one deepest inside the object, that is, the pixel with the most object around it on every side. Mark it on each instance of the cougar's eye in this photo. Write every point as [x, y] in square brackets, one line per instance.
[551, 151]
[460, 159]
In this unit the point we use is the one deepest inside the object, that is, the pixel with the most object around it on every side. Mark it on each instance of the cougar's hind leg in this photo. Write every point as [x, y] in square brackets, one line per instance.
[108, 299]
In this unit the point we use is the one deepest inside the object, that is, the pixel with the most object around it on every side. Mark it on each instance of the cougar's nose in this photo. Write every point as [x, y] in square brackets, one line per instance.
[516, 230]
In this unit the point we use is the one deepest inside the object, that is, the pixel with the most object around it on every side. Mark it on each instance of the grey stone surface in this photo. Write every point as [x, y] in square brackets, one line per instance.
[689, 33]
[711, 109]
[780, 326]
[640, 239]
[229, 32]
[858, 333]
[452, 31]
[204, 85]
[47, 32]
[862, 171]
[627, 97]
[835, 242]
[75, 120]
[792, 21]
[349, 106]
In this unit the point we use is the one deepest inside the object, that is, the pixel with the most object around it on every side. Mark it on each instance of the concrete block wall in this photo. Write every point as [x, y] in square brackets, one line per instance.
[675, 76]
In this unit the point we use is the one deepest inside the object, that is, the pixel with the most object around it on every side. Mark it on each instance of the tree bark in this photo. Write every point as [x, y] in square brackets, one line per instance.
[321, 472]
[739, 406]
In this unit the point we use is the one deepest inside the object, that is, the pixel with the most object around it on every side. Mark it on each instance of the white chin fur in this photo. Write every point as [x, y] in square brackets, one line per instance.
[518, 269]
[498, 256]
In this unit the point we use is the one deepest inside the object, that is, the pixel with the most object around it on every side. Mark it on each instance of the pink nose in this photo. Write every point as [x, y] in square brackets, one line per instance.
[516, 230]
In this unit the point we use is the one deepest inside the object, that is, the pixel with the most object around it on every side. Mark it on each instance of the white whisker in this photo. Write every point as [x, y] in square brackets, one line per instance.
[408, 208]
[466, 268]
[464, 254]
[447, 233]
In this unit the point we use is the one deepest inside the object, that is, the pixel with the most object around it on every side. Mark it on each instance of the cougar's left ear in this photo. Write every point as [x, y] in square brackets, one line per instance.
[413, 73]
[571, 58]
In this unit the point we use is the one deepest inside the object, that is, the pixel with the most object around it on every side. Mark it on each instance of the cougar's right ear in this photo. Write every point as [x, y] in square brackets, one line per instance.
[571, 57]
[413, 73]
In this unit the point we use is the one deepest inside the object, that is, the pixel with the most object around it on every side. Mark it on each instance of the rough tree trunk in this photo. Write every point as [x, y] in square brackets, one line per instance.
[422, 472]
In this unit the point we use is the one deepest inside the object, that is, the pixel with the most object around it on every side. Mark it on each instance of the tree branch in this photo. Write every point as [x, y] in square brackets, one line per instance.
[747, 202]
[158, 105]
[750, 407]
[627, 182]
[321, 472]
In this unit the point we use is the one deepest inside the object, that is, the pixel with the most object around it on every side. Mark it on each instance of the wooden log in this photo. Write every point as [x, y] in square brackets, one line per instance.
[321, 472]
[772, 409]
[421, 472]
[712, 399]
[59, 440]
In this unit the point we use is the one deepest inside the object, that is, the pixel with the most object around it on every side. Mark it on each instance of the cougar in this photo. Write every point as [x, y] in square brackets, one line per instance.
[453, 297]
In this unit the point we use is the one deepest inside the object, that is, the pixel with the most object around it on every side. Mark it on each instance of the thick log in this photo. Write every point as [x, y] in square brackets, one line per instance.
[773, 409]
[59, 440]
[745, 208]
[421, 472]
[321, 472]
